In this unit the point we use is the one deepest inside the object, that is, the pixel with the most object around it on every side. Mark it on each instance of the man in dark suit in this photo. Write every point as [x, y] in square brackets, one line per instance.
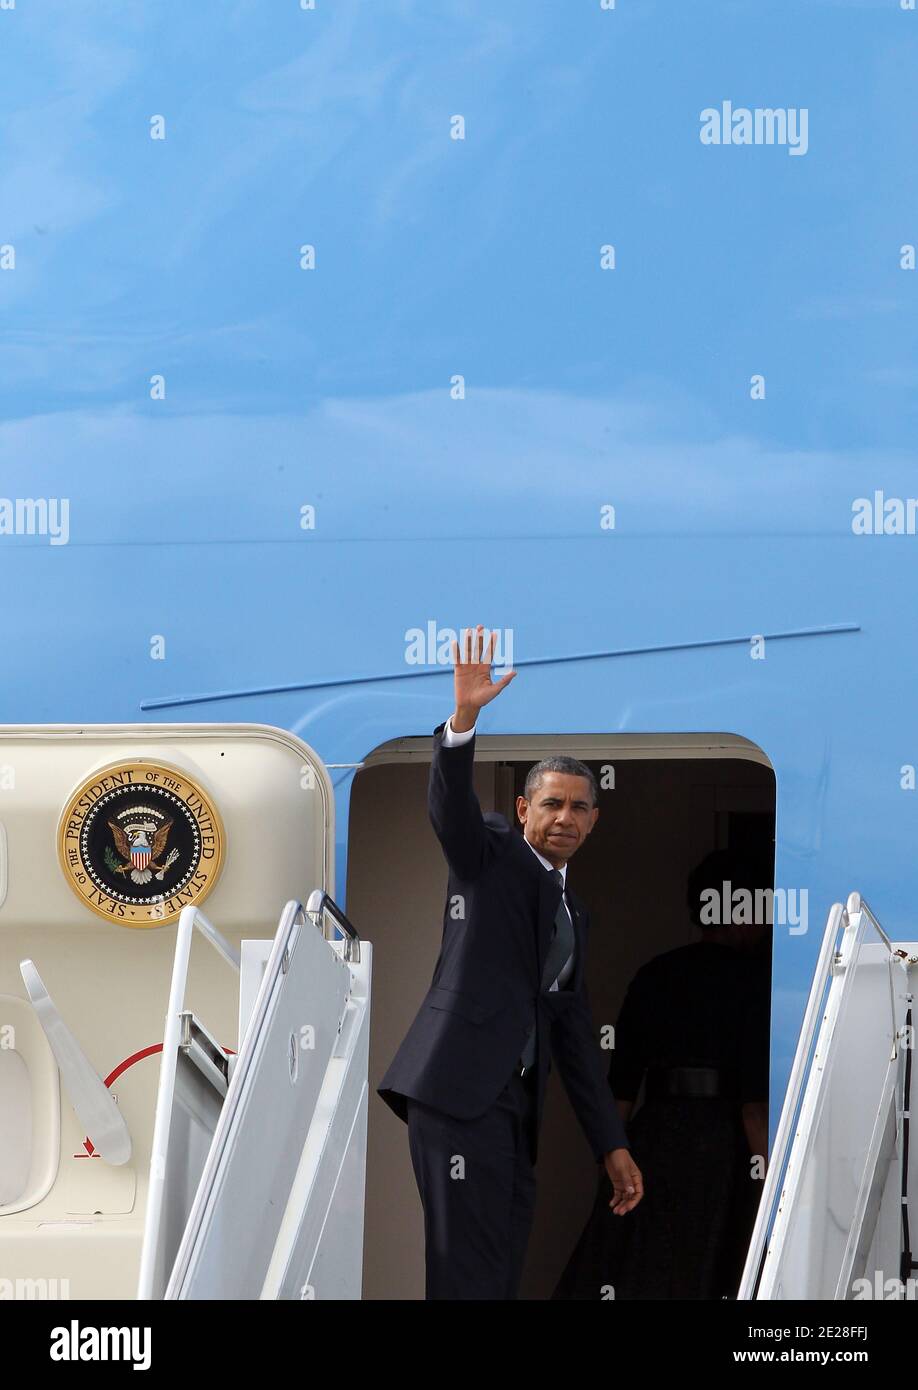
[508, 988]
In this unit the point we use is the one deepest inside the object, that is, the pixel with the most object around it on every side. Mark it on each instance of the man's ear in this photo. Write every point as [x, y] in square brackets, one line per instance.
[522, 809]
[594, 817]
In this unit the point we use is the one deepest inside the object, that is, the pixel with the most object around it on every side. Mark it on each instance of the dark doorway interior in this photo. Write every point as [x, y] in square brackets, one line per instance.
[658, 818]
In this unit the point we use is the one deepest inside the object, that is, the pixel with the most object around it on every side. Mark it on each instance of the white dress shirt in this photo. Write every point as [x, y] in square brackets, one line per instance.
[452, 739]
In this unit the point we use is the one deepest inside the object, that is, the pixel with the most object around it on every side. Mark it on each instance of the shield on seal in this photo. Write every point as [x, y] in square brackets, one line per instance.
[141, 856]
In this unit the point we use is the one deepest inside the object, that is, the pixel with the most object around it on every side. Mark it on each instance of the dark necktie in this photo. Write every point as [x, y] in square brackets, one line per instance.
[558, 963]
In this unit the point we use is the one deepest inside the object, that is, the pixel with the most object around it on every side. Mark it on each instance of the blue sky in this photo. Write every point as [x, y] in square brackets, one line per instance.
[480, 256]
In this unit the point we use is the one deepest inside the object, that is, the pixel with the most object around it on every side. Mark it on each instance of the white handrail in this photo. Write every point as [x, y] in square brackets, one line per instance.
[190, 918]
[102, 1121]
[318, 905]
[293, 912]
[811, 1019]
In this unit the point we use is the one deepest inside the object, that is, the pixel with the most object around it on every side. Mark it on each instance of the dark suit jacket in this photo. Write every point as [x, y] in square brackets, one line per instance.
[459, 1052]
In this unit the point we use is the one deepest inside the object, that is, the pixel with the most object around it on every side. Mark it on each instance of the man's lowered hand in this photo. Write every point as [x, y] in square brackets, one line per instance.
[626, 1180]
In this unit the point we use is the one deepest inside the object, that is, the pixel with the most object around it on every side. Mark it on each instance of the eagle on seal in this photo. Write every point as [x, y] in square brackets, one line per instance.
[140, 856]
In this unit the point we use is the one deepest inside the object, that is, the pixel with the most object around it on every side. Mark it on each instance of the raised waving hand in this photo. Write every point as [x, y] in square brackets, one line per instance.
[473, 684]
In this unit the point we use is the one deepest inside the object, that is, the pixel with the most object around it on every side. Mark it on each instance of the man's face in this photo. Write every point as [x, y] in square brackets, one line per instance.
[559, 817]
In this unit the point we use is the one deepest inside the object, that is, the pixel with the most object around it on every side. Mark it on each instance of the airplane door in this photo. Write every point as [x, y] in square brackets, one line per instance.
[115, 842]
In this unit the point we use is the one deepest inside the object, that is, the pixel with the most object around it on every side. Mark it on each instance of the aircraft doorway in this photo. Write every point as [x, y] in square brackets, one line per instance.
[665, 803]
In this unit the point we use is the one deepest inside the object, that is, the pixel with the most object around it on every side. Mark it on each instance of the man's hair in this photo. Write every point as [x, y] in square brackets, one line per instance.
[572, 767]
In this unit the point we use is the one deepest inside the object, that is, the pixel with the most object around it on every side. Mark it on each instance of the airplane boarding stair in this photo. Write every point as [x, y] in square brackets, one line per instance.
[834, 1219]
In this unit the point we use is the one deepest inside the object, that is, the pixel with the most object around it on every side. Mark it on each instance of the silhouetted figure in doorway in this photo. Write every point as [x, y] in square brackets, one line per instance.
[694, 1028]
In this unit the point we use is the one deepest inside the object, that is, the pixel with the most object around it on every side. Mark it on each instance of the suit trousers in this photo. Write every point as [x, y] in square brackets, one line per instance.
[477, 1185]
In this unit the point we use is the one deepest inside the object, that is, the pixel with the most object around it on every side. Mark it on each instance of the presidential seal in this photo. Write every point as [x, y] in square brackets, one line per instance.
[140, 841]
